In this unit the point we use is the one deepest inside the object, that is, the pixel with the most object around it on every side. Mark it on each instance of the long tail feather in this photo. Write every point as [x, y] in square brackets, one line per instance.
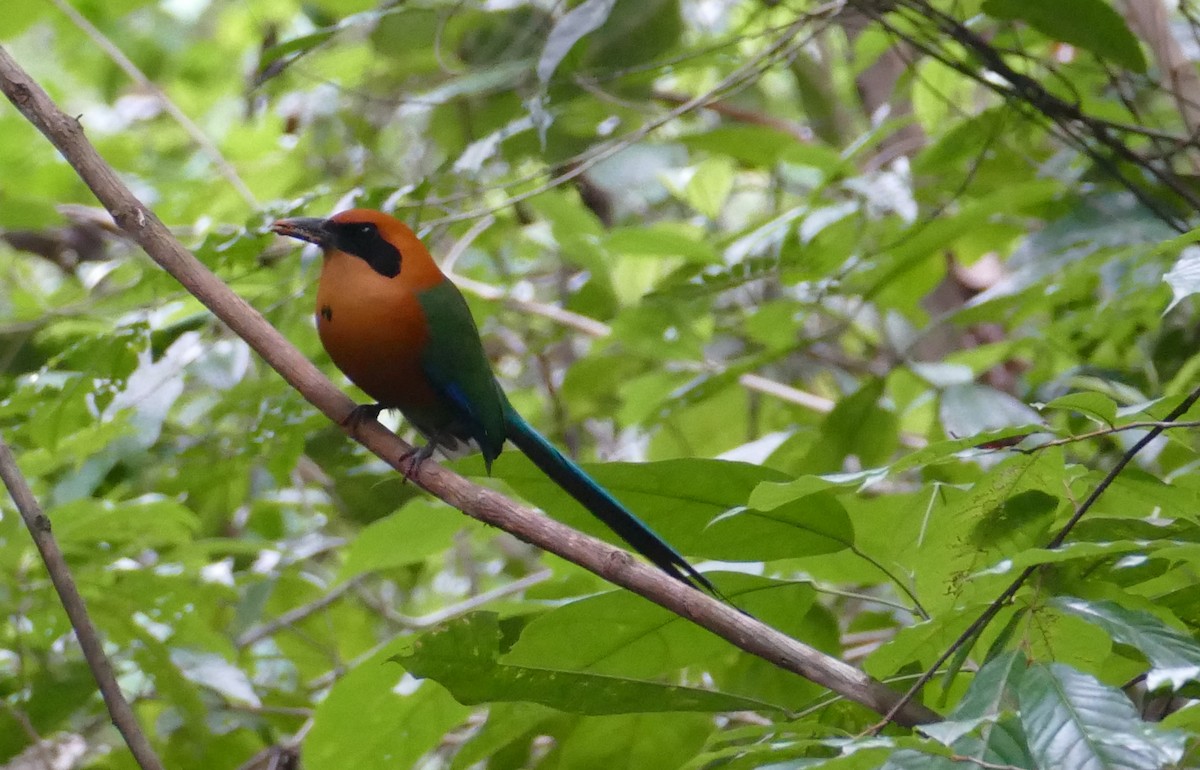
[600, 503]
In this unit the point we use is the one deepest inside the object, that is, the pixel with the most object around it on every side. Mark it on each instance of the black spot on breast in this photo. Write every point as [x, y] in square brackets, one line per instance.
[327, 312]
[362, 239]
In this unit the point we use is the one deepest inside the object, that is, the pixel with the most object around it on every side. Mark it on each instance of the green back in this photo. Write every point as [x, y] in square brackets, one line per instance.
[455, 363]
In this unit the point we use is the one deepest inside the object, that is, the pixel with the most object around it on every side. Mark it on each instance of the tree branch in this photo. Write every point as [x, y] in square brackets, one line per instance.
[93, 650]
[486, 505]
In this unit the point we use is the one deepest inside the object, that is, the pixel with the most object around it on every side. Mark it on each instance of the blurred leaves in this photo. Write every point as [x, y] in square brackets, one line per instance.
[858, 343]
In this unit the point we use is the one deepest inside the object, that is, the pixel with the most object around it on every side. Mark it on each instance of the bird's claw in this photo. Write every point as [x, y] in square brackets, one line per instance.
[360, 414]
[411, 460]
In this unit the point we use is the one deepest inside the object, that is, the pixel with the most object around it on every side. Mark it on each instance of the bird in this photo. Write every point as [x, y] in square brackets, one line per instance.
[401, 331]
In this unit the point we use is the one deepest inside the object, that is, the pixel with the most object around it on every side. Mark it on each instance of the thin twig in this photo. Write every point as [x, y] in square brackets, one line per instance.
[417, 622]
[593, 328]
[135, 74]
[779, 49]
[294, 616]
[72, 602]
[486, 505]
[38, 744]
[411, 623]
[982, 762]
[1114, 429]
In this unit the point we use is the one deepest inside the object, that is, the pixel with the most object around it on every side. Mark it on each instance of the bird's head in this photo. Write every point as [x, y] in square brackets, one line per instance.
[380, 240]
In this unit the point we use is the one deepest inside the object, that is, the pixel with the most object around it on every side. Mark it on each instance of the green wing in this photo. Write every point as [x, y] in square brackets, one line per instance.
[457, 367]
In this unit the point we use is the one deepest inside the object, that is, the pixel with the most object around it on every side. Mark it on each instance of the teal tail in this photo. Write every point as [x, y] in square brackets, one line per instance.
[600, 503]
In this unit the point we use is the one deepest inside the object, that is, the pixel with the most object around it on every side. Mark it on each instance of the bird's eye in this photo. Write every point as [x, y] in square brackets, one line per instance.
[366, 229]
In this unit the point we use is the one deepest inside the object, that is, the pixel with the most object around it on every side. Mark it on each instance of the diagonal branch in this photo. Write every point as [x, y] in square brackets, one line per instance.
[481, 503]
[60, 575]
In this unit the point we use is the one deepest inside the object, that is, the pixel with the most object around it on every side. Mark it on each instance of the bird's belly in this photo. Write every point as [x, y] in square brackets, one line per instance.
[379, 352]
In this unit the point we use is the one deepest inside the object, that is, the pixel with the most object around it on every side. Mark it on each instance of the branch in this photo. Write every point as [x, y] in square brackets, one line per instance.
[1113, 430]
[1078, 128]
[72, 602]
[481, 503]
[292, 617]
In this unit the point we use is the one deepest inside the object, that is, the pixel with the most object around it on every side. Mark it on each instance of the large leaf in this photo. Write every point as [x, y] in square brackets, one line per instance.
[418, 530]
[815, 524]
[1072, 720]
[149, 521]
[620, 633]
[463, 656]
[584, 18]
[1174, 656]
[678, 498]
[1090, 24]
[379, 717]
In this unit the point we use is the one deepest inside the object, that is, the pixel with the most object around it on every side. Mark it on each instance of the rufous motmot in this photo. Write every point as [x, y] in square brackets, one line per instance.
[400, 330]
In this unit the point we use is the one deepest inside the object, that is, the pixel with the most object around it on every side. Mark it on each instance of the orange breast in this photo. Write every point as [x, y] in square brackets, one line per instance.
[374, 330]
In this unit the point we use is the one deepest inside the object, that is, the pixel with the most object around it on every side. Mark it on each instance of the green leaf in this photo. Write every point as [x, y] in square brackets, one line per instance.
[634, 741]
[857, 426]
[1095, 405]
[420, 529]
[815, 524]
[1072, 720]
[1184, 276]
[971, 409]
[1174, 656]
[463, 656]
[677, 498]
[617, 632]
[755, 145]
[662, 240]
[146, 522]
[1067, 552]
[1088, 24]
[909, 759]
[378, 717]
[506, 725]
[709, 186]
[991, 692]
[215, 673]
[301, 44]
[581, 20]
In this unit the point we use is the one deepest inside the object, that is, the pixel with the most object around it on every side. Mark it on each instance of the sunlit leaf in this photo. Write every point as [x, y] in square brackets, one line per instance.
[1174, 656]
[463, 656]
[1073, 720]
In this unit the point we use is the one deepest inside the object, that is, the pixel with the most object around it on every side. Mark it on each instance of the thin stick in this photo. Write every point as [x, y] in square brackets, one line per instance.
[411, 623]
[486, 505]
[294, 616]
[593, 328]
[72, 602]
[196, 133]
[1144, 424]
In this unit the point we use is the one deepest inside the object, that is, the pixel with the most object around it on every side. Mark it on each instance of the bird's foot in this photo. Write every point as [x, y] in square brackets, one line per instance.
[361, 414]
[412, 459]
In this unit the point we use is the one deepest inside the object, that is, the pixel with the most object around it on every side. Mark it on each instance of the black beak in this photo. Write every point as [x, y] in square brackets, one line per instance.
[308, 229]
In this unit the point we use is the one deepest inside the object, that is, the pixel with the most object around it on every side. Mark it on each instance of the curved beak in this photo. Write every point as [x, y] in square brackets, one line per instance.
[308, 229]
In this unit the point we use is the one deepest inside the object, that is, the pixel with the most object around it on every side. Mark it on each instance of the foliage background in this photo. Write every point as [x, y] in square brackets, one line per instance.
[796, 314]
